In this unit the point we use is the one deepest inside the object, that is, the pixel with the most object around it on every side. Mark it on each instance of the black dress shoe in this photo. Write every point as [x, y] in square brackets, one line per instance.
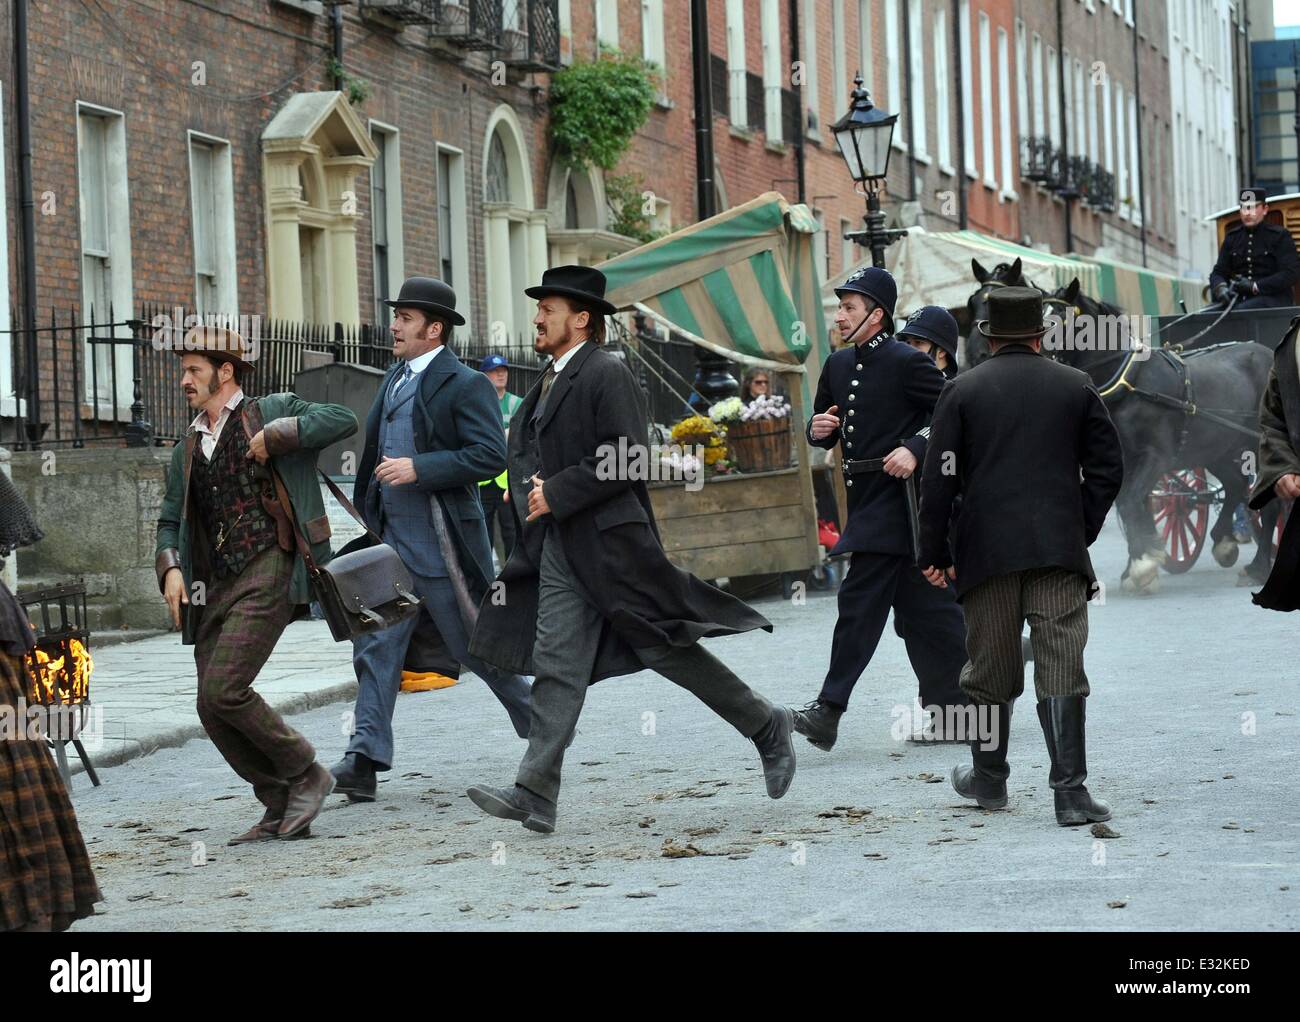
[819, 723]
[516, 803]
[1062, 718]
[354, 776]
[776, 749]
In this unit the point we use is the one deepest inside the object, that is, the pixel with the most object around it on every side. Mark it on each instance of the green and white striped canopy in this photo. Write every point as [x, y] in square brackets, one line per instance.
[743, 283]
[935, 269]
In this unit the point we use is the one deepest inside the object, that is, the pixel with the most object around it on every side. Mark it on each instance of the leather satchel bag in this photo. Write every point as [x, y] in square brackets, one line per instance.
[364, 591]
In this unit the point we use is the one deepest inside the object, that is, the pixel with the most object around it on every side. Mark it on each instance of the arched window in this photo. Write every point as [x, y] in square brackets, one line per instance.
[497, 188]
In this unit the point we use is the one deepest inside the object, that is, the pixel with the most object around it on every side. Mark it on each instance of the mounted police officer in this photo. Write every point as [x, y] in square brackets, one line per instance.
[1257, 261]
[873, 391]
[933, 330]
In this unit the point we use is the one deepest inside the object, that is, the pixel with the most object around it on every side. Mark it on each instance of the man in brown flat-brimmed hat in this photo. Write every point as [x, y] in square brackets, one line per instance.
[1029, 446]
[228, 565]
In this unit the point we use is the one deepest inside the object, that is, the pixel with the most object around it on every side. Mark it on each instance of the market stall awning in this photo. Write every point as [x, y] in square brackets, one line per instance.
[743, 283]
[935, 269]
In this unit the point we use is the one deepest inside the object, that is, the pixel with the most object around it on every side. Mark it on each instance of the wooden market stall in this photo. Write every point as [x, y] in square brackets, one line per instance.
[743, 285]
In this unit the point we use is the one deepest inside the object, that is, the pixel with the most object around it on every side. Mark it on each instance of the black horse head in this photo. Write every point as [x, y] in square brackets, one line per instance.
[1102, 325]
[977, 305]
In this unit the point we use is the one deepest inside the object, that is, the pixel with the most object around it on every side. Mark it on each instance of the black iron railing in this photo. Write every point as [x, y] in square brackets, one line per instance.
[1069, 177]
[530, 38]
[117, 382]
[470, 24]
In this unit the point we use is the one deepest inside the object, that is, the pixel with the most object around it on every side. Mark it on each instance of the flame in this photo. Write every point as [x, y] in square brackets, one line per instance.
[52, 681]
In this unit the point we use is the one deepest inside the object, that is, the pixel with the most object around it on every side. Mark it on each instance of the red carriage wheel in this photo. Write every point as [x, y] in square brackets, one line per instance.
[1181, 504]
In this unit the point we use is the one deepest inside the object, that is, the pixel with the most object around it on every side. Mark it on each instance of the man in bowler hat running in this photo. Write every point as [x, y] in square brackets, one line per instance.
[589, 591]
[433, 432]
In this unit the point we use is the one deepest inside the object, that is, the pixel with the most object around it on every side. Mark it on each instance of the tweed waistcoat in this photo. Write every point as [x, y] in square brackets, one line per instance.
[407, 523]
[228, 502]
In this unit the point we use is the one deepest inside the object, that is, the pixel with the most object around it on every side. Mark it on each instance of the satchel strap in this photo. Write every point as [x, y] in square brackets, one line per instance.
[251, 417]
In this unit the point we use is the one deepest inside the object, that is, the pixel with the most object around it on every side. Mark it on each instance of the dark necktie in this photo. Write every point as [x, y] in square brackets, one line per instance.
[548, 380]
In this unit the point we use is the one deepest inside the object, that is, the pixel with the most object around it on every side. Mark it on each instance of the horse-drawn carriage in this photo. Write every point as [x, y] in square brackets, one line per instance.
[1184, 391]
[1183, 500]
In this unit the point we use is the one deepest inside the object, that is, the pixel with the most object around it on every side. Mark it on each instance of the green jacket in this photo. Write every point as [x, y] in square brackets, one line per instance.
[295, 432]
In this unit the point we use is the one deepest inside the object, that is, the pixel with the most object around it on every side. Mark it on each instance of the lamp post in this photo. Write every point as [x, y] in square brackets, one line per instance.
[865, 135]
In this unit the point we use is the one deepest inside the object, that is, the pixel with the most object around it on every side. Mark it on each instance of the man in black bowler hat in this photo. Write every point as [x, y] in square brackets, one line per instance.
[1257, 261]
[1029, 447]
[589, 591]
[433, 432]
[874, 399]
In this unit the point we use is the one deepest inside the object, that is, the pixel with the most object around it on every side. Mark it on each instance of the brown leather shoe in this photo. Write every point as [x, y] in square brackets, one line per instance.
[265, 829]
[307, 795]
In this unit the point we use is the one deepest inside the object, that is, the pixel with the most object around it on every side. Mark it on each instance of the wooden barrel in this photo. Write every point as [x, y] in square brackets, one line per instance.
[762, 445]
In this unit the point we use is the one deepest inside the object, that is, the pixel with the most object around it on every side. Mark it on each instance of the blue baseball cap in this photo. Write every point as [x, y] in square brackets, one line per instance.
[493, 362]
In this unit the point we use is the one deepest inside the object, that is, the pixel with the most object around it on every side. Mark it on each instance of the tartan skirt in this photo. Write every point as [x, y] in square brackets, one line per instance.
[45, 871]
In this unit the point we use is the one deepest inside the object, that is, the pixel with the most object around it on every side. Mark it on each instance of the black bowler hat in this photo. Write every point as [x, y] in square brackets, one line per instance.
[935, 325]
[1254, 194]
[581, 283]
[429, 294]
[1015, 314]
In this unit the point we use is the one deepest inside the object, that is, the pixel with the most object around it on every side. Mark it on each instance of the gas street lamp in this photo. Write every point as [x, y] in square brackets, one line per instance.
[865, 136]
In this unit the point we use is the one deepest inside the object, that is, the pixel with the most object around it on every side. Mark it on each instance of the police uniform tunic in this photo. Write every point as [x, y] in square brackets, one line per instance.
[885, 391]
[1265, 255]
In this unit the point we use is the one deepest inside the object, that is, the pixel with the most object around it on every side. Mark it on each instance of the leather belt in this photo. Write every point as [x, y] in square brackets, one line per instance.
[864, 465]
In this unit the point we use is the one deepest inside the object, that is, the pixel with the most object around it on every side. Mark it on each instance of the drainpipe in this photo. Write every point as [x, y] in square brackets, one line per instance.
[1065, 121]
[336, 30]
[962, 185]
[1137, 103]
[800, 155]
[705, 196]
[907, 91]
[27, 222]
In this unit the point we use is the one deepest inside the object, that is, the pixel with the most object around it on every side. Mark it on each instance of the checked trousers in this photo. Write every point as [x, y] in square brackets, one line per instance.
[243, 619]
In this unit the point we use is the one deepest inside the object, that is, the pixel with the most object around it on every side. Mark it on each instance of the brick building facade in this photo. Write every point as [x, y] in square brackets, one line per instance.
[195, 155]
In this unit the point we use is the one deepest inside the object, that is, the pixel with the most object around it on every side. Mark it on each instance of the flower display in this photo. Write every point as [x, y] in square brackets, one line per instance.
[764, 408]
[727, 410]
[700, 430]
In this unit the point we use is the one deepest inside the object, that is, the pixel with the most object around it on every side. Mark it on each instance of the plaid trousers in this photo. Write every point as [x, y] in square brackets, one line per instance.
[1055, 603]
[243, 619]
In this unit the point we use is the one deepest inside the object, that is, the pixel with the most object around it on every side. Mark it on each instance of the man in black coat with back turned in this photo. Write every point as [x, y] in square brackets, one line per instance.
[1029, 447]
[588, 592]
[874, 399]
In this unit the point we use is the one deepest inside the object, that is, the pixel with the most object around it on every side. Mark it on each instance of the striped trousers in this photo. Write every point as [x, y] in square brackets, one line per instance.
[1055, 603]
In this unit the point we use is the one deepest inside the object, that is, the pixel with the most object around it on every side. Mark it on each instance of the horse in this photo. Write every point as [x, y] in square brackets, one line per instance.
[1164, 404]
[977, 308]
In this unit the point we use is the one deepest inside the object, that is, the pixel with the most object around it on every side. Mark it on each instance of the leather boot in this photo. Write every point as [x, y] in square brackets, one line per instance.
[265, 829]
[1062, 718]
[985, 781]
[354, 776]
[307, 795]
[818, 722]
[776, 749]
[517, 803]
